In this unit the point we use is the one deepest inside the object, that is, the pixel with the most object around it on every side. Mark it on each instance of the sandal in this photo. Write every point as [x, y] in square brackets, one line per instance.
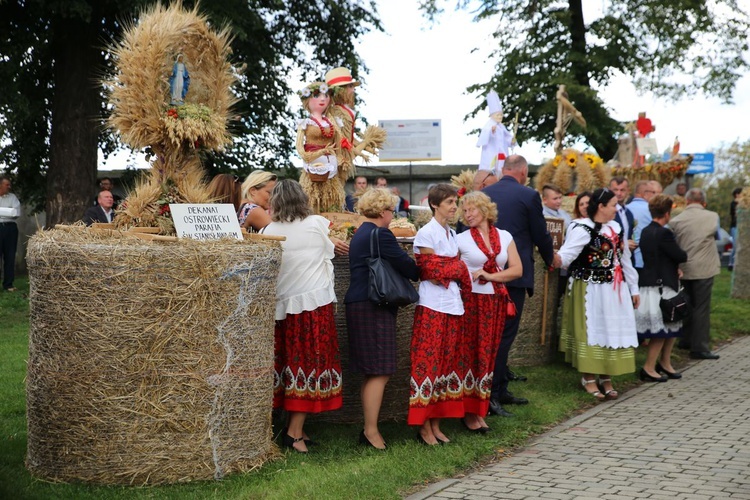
[597, 394]
[610, 394]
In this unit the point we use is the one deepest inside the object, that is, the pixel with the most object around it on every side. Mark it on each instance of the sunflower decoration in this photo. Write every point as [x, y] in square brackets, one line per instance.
[571, 159]
[585, 172]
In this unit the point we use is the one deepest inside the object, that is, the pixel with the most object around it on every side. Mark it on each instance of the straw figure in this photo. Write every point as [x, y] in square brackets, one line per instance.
[318, 138]
[341, 81]
[171, 96]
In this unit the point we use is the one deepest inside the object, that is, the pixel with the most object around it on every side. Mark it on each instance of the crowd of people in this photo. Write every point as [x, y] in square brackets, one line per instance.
[472, 290]
[619, 259]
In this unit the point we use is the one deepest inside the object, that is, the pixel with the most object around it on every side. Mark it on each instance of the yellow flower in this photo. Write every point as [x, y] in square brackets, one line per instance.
[572, 159]
[556, 161]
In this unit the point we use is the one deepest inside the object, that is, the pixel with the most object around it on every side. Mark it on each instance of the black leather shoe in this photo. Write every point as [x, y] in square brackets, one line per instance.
[497, 409]
[704, 355]
[516, 377]
[672, 375]
[510, 399]
[366, 442]
[648, 378]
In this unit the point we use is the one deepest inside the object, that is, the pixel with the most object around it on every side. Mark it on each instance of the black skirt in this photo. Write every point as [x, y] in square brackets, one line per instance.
[372, 338]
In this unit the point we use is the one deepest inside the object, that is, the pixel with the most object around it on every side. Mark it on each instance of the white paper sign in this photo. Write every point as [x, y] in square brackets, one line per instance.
[647, 146]
[202, 221]
[411, 140]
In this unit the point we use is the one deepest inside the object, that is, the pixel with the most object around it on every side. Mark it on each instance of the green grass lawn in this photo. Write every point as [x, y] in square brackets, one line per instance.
[338, 467]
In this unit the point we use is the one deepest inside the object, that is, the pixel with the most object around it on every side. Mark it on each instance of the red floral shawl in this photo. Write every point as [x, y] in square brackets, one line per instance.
[444, 270]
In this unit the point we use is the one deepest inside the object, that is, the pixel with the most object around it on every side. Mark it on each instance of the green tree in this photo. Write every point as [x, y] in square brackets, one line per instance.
[52, 56]
[732, 170]
[671, 48]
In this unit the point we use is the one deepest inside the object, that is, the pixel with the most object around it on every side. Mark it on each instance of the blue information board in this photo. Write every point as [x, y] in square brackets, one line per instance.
[703, 163]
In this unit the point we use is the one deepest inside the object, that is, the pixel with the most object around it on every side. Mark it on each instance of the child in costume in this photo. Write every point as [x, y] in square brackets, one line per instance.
[495, 140]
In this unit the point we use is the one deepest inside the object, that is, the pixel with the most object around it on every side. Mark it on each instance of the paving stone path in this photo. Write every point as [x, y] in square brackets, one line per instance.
[684, 439]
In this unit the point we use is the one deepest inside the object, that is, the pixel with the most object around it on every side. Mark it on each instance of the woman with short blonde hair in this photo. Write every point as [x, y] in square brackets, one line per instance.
[376, 201]
[372, 327]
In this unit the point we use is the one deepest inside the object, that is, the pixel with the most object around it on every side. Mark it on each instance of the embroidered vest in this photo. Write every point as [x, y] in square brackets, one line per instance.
[596, 262]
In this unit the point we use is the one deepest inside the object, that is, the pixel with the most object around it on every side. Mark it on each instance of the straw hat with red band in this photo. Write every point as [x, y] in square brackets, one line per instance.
[340, 77]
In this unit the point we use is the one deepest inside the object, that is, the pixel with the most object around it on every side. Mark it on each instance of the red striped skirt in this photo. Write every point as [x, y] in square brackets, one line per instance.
[307, 365]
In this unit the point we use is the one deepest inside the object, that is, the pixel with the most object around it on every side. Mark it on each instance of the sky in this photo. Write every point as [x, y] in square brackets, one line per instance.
[420, 70]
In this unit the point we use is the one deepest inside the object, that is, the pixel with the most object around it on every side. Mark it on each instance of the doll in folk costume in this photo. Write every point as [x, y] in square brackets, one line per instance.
[318, 136]
[350, 146]
[494, 139]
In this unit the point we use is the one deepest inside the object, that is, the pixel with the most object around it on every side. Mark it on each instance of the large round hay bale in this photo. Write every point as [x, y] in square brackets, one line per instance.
[149, 362]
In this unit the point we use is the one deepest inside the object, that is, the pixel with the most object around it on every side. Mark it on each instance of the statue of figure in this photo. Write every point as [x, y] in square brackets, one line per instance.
[179, 82]
[317, 138]
[350, 146]
[494, 139]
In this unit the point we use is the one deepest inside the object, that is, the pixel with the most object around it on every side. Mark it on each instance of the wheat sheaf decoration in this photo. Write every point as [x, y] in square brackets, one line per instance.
[171, 95]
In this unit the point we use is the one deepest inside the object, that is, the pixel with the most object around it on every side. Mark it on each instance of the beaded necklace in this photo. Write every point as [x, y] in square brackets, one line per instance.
[329, 127]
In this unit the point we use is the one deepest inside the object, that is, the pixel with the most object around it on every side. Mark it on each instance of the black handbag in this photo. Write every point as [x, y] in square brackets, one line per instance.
[387, 286]
[676, 308]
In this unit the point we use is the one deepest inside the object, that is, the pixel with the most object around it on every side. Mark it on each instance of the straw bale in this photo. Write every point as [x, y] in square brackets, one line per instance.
[149, 362]
[741, 274]
[532, 347]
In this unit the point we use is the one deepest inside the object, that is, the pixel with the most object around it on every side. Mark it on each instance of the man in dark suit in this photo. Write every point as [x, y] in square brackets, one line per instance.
[520, 213]
[102, 212]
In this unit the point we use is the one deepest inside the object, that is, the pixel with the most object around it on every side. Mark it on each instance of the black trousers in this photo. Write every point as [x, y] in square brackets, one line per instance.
[500, 376]
[697, 328]
[8, 246]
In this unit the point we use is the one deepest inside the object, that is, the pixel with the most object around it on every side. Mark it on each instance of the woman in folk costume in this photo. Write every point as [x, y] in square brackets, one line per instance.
[598, 329]
[492, 259]
[307, 364]
[317, 138]
[494, 139]
[436, 383]
[340, 79]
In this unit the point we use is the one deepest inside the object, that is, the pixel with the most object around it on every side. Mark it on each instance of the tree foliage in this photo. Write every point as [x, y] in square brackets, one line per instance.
[671, 48]
[732, 170]
[52, 110]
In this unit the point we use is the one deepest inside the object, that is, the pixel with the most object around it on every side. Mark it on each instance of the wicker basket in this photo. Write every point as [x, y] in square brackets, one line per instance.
[317, 177]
